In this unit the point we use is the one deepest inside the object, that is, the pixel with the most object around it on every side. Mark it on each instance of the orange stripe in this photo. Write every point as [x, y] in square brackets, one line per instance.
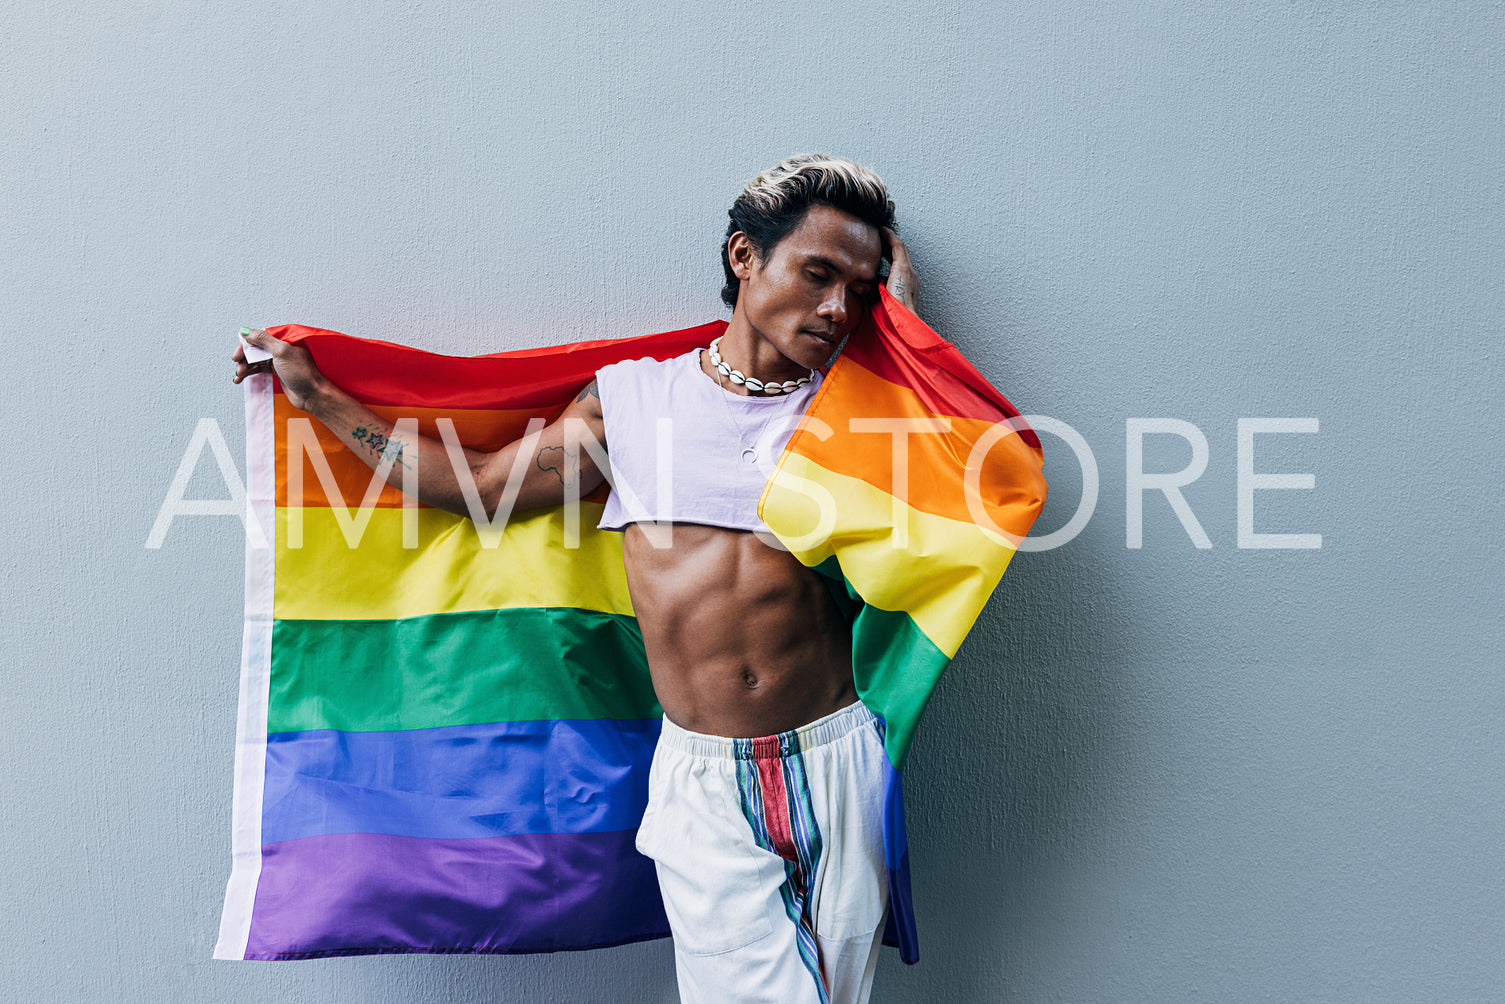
[481, 429]
[1010, 481]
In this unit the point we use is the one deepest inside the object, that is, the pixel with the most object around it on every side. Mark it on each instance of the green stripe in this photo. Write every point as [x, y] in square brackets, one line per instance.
[895, 665]
[526, 664]
[896, 668]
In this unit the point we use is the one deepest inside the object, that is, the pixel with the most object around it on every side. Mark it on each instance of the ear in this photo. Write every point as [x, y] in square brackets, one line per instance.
[741, 254]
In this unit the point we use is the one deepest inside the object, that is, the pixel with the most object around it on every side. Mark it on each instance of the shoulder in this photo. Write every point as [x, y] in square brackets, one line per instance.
[586, 404]
[649, 363]
[644, 371]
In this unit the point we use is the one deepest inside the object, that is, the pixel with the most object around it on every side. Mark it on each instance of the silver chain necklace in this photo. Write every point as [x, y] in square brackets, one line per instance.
[749, 453]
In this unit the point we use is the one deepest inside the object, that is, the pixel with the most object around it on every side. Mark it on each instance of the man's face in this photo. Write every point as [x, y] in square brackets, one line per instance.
[814, 288]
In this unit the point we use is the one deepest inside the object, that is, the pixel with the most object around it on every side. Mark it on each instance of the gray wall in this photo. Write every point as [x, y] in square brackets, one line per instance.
[1163, 774]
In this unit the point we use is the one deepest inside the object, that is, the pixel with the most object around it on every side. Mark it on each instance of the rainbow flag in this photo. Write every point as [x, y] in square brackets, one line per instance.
[444, 731]
[908, 482]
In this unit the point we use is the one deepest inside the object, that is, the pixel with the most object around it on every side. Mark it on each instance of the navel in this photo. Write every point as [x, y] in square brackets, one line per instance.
[749, 679]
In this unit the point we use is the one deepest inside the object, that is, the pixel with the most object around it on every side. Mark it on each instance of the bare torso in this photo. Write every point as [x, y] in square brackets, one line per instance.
[742, 640]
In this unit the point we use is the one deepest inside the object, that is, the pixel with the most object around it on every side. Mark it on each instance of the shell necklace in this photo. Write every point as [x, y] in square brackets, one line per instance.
[753, 383]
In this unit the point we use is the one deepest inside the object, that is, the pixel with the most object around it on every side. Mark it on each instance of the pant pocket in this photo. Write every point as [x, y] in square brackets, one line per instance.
[852, 887]
[714, 879]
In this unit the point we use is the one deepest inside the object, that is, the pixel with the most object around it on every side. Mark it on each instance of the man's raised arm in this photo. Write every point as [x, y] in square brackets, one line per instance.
[541, 466]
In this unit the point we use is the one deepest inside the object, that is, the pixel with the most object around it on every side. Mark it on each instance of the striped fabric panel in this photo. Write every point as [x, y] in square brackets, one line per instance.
[775, 796]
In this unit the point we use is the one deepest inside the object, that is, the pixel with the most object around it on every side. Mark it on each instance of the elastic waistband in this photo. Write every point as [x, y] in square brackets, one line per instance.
[817, 733]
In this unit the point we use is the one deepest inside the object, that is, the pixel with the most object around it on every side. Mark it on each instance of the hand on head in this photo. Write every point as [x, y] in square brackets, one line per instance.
[902, 282]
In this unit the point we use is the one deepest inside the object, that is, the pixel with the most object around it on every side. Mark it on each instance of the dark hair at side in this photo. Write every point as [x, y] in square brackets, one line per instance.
[775, 201]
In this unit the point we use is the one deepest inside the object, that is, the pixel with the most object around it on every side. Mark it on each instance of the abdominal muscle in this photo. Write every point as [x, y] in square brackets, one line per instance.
[742, 639]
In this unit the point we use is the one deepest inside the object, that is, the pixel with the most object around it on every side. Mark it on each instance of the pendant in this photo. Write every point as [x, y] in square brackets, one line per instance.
[750, 455]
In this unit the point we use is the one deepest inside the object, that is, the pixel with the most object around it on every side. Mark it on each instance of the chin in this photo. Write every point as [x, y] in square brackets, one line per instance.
[814, 350]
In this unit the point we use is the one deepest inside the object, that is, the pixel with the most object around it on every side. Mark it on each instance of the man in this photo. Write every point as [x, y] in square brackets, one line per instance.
[763, 815]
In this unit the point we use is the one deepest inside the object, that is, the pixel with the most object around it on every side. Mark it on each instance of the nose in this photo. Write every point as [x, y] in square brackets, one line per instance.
[834, 308]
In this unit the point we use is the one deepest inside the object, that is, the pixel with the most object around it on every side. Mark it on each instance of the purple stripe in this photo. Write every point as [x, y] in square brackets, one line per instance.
[367, 893]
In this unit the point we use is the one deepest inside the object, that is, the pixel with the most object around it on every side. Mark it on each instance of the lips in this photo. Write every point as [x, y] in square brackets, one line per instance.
[823, 336]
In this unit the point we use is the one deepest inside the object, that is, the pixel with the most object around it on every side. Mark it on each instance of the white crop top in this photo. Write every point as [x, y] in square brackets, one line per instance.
[701, 475]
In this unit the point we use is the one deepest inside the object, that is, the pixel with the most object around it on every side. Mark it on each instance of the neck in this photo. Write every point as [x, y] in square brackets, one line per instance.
[743, 348]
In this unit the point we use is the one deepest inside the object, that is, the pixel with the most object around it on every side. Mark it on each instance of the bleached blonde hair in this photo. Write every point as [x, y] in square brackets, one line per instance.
[774, 201]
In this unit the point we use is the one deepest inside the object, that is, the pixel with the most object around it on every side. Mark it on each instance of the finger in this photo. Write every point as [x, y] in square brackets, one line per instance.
[262, 340]
[897, 251]
[239, 355]
[244, 369]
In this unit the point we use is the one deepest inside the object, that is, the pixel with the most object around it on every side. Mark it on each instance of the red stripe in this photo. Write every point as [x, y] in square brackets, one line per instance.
[383, 373]
[899, 347]
[776, 807]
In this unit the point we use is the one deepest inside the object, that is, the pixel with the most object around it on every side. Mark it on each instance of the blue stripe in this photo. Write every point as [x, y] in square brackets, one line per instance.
[900, 930]
[895, 836]
[496, 779]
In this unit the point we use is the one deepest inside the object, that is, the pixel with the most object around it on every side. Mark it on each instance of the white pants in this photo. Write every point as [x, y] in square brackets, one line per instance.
[770, 859]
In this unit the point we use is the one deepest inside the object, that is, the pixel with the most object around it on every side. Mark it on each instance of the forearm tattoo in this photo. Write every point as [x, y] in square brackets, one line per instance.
[901, 290]
[563, 461]
[381, 446]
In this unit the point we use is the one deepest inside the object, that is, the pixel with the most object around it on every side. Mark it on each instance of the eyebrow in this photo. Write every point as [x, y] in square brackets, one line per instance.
[817, 259]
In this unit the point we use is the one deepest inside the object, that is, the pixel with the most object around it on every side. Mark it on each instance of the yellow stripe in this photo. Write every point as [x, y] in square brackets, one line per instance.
[942, 575]
[449, 571]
